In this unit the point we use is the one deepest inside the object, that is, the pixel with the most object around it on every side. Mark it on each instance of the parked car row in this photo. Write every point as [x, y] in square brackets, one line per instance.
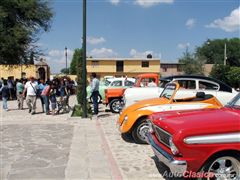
[114, 83]
[201, 141]
[192, 125]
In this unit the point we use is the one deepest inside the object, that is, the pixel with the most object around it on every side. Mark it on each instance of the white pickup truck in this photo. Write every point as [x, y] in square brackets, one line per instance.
[190, 85]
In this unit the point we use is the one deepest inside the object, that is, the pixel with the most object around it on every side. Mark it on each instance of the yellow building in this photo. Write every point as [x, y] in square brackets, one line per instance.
[118, 67]
[39, 70]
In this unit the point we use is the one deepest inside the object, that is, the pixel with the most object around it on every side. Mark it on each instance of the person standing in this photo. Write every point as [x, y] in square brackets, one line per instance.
[45, 96]
[41, 86]
[95, 92]
[19, 89]
[152, 83]
[5, 94]
[31, 89]
[53, 97]
[11, 88]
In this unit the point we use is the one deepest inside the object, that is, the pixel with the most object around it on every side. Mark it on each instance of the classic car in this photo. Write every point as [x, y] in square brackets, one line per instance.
[200, 142]
[190, 85]
[110, 83]
[132, 121]
[113, 97]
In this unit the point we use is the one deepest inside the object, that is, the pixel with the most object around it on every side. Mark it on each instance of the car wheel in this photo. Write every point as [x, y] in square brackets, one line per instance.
[127, 137]
[139, 130]
[99, 99]
[223, 167]
[115, 105]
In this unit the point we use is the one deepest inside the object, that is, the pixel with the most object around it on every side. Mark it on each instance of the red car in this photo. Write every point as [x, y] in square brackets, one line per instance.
[202, 144]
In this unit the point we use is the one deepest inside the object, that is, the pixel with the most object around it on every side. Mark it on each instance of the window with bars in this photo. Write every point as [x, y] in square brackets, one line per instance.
[145, 64]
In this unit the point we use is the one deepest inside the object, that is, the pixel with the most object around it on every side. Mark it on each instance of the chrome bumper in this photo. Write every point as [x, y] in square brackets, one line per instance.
[177, 167]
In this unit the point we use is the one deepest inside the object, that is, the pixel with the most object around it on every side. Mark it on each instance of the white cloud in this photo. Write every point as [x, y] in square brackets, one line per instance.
[230, 23]
[183, 45]
[95, 40]
[102, 53]
[114, 2]
[135, 54]
[149, 3]
[190, 23]
[56, 59]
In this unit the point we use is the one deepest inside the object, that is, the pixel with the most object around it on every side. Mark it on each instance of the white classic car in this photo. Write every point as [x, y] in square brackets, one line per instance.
[190, 85]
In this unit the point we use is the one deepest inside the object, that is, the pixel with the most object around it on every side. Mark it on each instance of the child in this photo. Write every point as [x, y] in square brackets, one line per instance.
[53, 99]
[5, 94]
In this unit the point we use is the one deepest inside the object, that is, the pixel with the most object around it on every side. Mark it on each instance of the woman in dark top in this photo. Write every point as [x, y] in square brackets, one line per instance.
[5, 94]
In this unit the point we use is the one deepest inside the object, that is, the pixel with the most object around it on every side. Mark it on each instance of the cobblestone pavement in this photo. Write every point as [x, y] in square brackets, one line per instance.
[59, 147]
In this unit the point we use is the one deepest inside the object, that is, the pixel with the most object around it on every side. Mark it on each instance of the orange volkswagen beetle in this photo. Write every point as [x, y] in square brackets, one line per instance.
[132, 121]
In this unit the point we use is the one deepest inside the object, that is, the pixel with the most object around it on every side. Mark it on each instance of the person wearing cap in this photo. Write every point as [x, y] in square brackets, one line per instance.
[31, 89]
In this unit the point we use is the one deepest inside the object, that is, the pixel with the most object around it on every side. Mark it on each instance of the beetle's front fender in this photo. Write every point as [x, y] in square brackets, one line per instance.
[132, 118]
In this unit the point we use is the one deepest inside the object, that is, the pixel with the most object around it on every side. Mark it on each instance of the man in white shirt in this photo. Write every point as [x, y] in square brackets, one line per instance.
[31, 89]
[152, 83]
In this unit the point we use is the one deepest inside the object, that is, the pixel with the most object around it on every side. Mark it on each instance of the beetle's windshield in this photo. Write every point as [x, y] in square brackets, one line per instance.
[168, 91]
[235, 102]
[163, 83]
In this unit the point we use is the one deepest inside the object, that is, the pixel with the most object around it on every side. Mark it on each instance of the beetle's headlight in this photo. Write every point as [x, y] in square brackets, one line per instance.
[125, 119]
[174, 149]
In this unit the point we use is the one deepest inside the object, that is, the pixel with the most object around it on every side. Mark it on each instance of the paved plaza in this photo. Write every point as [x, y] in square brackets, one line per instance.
[62, 147]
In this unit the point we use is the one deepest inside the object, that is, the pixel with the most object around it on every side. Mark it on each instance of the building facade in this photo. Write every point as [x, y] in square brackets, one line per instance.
[119, 67]
[40, 70]
[168, 69]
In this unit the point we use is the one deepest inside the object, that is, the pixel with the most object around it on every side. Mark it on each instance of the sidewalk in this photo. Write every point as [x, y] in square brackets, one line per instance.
[59, 147]
[53, 147]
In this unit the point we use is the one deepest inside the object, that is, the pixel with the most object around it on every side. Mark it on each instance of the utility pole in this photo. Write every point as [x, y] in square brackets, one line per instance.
[84, 75]
[225, 55]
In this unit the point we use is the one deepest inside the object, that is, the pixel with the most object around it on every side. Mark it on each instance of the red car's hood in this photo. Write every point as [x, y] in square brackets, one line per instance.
[206, 121]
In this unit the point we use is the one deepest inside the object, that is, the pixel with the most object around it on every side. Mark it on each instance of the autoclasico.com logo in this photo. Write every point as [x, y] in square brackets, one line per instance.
[192, 174]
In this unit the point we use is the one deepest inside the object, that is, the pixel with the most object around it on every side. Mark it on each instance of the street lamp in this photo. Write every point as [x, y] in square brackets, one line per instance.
[66, 58]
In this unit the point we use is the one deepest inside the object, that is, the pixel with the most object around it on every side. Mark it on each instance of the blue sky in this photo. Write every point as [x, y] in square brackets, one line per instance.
[121, 28]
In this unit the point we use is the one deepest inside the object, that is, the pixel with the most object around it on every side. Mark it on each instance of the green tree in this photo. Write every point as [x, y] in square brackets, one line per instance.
[65, 71]
[192, 64]
[233, 76]
[77, 57]
[76, 68]
[21, 23]
[213, 51]
[220, 72]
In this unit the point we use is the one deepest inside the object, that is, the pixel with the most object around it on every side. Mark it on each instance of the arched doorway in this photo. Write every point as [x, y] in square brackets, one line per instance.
[42, 73]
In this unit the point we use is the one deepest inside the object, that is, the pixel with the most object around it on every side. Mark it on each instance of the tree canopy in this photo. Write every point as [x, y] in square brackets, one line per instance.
[77, 57]
[21, 23]
[213, 51]
[192, 64]
[65, 71]
[227, 74]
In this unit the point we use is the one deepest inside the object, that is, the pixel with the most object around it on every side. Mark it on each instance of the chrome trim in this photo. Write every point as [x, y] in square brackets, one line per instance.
[217, 138]
[159, 137]
[176, 166]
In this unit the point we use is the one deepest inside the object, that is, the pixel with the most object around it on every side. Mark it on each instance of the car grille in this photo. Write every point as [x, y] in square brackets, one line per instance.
[162, 135]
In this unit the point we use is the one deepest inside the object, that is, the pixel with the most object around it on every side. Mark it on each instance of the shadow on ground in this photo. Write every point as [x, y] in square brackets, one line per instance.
[164, 170]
